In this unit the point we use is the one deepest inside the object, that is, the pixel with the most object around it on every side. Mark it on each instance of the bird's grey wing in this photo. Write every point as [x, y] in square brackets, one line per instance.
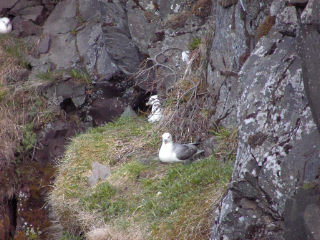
[184, 151]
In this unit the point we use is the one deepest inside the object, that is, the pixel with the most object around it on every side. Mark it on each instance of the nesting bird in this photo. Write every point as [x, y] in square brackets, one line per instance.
[5, 25]
[156, 111]
[176, 152]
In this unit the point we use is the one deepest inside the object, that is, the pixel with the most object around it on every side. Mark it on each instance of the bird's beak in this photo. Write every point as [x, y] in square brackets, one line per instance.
[165, 141]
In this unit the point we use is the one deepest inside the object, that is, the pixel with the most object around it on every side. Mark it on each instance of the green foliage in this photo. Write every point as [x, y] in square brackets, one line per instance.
[100, 200]
[77, 75]
[70, 236]
[46, 76]
[29, 138]
[195, 43]
[228, 142]
[182, 182]
[3, 92]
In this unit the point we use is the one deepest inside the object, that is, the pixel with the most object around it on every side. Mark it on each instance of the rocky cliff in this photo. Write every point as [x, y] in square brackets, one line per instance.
[274, 184]
[260, 74]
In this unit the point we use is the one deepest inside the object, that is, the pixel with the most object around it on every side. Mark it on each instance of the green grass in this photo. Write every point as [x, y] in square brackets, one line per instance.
[81, 76]
[138, 201]
[195, 43]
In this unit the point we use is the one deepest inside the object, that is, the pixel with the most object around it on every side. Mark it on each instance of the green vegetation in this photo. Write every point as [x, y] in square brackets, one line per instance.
[15, 48]
[195, 43]
[143, 198]
[80, 76]
[228, 143]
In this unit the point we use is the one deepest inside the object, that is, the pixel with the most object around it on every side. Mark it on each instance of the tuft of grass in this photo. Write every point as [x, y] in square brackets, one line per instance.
[176, 21]
[139, 200]
[228, 143]
[202, 8]
[265, 27]
[195, 43]
[80, 76]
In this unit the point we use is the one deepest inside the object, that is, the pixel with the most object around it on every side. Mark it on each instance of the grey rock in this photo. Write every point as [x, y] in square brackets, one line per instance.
[248, 204]
[91, 47]
[59, 92]
[301, 214]
[21, 5]
[63, 52]
[32, 13]
[142, 24]
[121, 50]
[43, 45]
[38, 70]
[287, 21]
[90, 10]
[62, 19]
[129, 112]
[8, 4]
[99, 172]
[228, 48]
[91, 43]
[277, 7]
[297, 2]
[167, 7]
[277, 133]
[308, 41]
[310, 14]
[105, 110]
[25, 28]
[209, 146]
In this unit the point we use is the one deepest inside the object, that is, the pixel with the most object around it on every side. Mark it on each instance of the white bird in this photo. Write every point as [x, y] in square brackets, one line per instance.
[5, 25]
[176, 152]
[156, 111]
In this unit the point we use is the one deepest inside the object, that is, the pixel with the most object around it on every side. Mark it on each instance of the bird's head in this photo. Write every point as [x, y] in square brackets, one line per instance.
[5, 20]
[7, 24]
[153, 99]
[166, 138]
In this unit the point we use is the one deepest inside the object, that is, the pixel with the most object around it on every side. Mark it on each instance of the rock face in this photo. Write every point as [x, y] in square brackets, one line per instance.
[272, 189]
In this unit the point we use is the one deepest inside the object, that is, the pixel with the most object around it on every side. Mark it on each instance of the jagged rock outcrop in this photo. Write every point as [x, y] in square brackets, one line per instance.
[272, 189]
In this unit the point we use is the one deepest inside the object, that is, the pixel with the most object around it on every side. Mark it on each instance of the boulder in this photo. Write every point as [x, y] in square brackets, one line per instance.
[58, 93]
[287, 21]
[99, 172]
[308, 41]
[43, 45]
[5, 5]
[230, 49]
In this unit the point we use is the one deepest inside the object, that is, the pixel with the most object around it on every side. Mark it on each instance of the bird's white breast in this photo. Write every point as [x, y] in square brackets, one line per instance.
[166, 153]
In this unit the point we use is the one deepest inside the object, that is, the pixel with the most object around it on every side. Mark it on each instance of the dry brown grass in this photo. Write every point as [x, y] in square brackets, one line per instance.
[192, 223]
[177, 20]
[202, 8]
[12, 115]
[189, 106]
[188, 111]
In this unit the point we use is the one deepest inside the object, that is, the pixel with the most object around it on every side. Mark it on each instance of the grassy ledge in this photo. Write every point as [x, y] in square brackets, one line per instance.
[143, 198]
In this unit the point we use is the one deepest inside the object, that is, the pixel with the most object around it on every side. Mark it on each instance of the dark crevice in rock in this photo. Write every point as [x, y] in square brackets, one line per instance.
[272, 49]
[12, 212]
[68, 106]
[257, 139]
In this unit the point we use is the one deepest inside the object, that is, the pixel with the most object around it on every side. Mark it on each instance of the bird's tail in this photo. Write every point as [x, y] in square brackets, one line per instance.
[197, 142]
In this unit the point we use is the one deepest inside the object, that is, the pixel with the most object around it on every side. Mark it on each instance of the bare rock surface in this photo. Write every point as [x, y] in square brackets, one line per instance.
[279, 148]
